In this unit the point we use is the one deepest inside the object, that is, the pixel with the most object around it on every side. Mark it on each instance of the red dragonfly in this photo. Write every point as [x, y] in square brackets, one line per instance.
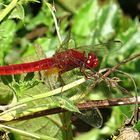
[62, 62]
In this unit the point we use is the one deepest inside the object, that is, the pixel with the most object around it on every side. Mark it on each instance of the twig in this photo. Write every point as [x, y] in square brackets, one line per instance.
[119, 64]
[108, 103]
[87, 105]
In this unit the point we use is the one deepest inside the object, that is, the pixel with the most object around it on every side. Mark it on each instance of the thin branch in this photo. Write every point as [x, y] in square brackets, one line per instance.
[108, 102]
[119, 64]
[87, 105]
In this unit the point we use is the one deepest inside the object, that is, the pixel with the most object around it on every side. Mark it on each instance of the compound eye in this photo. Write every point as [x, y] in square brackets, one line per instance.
[92, 60]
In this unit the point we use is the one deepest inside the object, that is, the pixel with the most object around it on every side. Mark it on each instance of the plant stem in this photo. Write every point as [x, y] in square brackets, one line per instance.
[55, 22]
[7, 9]
[67, 127]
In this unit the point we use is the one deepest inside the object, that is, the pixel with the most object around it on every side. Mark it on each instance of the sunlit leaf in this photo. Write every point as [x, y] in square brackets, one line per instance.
[85, 19]
[18, 12]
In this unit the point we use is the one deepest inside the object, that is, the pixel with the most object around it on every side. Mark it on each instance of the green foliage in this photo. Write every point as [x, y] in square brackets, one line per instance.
[18, 12]
[23, 26]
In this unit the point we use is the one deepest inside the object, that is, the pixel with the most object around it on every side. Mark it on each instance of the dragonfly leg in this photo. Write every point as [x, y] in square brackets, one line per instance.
[61, 82]
[82, 70]
[40, 76]
[88, 75]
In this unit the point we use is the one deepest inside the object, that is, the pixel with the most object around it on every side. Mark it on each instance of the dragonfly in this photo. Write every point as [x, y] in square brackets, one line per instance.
[62, 62]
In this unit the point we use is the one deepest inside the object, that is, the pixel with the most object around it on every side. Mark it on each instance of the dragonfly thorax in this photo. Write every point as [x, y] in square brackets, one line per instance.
[92, 60]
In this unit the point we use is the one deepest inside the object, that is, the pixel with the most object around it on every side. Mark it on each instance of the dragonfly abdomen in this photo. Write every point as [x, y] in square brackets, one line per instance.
[27, 67]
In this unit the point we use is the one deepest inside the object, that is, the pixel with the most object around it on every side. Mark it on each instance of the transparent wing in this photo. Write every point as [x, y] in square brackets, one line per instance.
[92, 117]
[102, 48]
[39, 52]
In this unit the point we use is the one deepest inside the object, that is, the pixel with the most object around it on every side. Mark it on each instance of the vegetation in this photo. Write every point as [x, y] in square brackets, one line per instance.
[31, 30]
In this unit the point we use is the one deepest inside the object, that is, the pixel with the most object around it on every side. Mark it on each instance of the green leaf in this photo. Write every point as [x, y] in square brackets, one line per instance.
[85, 18]
[6, 95]
[7, 34]
[67, 104]
[43, 17]
[108, 21]
[21, 87]
[29, 76]
[18, 12]
[39, 126]
[17, 77]
[6, 79]
[27, 1]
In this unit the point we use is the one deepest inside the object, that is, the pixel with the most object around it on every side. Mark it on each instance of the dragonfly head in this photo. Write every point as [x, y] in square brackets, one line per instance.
[92, 60]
